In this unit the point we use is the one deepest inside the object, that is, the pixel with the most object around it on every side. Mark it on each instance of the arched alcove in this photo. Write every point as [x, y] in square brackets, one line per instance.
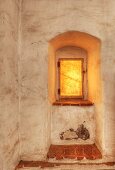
[87, 42]
[92, 46]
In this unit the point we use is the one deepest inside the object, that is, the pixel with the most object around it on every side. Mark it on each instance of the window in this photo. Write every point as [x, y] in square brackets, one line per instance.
[71, 76]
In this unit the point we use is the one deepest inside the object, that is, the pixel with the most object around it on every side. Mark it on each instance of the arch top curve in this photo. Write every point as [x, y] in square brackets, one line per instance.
[75, 38]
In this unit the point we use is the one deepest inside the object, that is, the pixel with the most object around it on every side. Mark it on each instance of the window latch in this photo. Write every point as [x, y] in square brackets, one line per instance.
[58, 91]
[58, 64]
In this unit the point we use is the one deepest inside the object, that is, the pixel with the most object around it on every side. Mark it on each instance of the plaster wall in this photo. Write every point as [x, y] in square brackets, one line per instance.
[41, 21]
[24, 103]
[108, 69]
[9, 126]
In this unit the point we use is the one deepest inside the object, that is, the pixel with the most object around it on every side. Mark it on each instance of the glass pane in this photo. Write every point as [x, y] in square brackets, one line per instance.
[71, 77]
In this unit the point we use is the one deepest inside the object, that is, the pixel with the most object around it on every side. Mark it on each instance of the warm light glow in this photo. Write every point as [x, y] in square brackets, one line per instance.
[71, 77]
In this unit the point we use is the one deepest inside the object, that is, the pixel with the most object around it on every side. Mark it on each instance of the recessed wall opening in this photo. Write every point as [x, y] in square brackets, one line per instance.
[88, 49]
[74, 80]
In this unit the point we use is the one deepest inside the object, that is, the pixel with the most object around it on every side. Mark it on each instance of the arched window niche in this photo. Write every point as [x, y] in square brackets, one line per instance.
[75, 45]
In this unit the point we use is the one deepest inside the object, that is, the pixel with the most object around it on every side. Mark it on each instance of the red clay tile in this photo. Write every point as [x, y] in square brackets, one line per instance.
[55, 151]
[74, 152]
[51, 155]
[69, 152]
[44, 164]
[79, 152]
[88, 151]
[96, 153]
[59, 156]
[51, 152]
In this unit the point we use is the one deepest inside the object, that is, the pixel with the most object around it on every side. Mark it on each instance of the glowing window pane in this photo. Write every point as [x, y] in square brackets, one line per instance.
[71, 78]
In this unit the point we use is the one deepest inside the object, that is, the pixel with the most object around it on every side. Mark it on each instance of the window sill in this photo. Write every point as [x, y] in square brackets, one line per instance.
[74, 102]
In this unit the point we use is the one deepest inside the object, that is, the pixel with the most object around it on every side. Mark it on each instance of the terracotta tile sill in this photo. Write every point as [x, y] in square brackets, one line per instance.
[78, 152]
[73, 103]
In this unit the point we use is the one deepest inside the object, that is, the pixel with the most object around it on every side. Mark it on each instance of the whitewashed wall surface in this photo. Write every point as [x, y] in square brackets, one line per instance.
[28, 122]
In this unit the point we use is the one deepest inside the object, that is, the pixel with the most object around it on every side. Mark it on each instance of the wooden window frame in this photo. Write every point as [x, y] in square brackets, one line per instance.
[70, 97]
[71, 52]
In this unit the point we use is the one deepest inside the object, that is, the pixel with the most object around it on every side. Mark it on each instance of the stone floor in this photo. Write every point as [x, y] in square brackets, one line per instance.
[36, 165]
[72, 167]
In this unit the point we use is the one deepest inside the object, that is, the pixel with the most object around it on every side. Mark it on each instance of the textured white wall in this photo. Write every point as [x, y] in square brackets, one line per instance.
[40, 122]
[9, 137]
[41, 21]
[66, 117]
[108, 78]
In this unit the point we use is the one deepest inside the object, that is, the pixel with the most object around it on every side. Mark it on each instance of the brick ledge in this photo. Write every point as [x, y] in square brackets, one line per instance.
[79, 152]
